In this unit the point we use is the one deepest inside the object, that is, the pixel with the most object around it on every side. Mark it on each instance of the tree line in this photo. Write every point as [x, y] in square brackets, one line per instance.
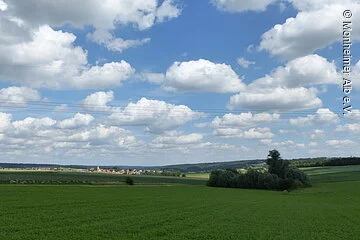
[278, 176]
[320, 162]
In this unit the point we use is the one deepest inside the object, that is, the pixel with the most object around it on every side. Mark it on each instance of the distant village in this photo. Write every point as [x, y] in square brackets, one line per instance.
[113, 170]
[117, 170]
[107, 170]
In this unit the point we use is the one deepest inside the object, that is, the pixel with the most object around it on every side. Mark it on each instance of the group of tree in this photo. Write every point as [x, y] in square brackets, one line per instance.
[320, 162]
[207, 167]
[166, 173]
[278, 176]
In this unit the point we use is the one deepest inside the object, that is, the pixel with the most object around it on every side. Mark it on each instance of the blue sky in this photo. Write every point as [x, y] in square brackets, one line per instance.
[152, 82]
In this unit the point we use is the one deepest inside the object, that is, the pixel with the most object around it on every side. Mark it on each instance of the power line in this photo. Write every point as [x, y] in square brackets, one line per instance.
[147, 110]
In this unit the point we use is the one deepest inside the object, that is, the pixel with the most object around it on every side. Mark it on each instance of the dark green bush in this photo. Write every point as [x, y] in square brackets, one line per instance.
[298, 175]
[129, 181]
[279, 176]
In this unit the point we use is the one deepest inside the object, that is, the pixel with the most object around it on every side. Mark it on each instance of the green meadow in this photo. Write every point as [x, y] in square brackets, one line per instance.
[328, 210]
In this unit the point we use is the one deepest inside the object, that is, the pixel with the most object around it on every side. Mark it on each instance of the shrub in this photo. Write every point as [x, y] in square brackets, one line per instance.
[251, 179]
[279, 176]
[129, 181]
[285, 184]
[298, 175]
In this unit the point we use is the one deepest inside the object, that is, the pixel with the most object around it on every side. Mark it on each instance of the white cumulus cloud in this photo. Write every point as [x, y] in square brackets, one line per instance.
[349, 128]
[157, 116]
[243, 120]
[202, 76]
[98, 101]
[276, 99]
[252, 133]
[304, 34]
[79, 120]
[18, 96]
[303, 71]
[322, 116]
[55, 62]
[102, 15]
[178, 138]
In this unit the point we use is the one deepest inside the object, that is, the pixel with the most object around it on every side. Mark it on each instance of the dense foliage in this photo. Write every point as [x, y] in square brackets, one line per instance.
[129, 181]
[320, 162]
[279, 176]
[201, 167]
[165, 173]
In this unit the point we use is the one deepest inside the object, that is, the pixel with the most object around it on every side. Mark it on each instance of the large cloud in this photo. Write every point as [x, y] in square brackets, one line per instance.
[50, 60]
[79, 120]
[349, 128]
[98, 101]
[276, 99]
[285, 88]
[100, 14]
[102, 144]
[104, 16]
[202, 76]
[36, 55]
[18, 96]
[156, 116]
[242, 6]
[68, 137]
[305, 33]
[303, 71]
[175, 138]
[322, 116]
[252, 133]
[243, 120]
[100, 135]
[29, 126]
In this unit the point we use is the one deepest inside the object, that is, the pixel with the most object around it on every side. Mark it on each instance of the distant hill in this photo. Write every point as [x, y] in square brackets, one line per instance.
[35, 165]
[199, 167]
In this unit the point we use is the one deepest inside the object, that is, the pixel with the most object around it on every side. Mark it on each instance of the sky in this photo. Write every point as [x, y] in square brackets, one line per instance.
[158, 82]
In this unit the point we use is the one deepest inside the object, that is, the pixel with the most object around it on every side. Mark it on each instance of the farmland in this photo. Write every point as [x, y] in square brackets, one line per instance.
[328, 210]
[52, 177]
[198, 175]
[333, 174]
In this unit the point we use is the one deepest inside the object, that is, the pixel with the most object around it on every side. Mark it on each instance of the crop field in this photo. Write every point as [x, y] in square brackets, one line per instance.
[328, 210]
[51, 177]
[333, 173]
[330, 169]
[198, 175]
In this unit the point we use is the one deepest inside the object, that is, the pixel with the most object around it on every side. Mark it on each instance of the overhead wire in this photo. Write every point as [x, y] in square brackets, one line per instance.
[73, 107]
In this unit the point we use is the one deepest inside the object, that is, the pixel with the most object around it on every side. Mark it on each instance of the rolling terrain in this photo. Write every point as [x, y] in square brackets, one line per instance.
[328, 210]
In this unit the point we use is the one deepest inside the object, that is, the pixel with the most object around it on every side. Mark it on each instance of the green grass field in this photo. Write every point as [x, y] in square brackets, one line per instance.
[328, 210]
